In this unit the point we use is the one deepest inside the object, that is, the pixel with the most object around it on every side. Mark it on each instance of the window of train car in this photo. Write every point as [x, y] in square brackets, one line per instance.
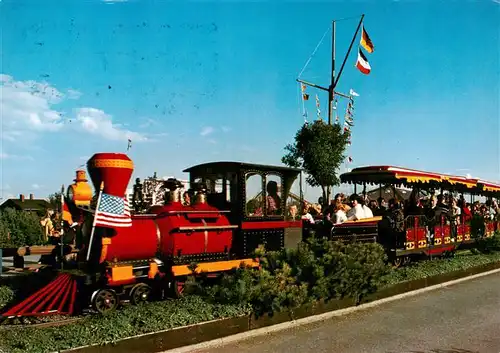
[293, 206]
[253, 195]
[274, 202]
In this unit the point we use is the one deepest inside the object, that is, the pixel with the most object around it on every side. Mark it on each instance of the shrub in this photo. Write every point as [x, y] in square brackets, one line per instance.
[488, 245]
[292, 277]
[6, 296]
[19, 228]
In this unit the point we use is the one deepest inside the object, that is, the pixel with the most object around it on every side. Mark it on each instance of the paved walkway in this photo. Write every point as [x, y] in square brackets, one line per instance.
[463, 318]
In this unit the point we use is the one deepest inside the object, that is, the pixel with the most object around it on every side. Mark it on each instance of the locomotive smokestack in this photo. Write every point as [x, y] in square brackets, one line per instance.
[114, 169]
[174, 186]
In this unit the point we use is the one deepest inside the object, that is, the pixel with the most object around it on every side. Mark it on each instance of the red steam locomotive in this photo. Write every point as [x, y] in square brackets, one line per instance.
[133, 256]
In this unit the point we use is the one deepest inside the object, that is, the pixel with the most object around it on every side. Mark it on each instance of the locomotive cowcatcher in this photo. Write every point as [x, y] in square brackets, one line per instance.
[155, 252]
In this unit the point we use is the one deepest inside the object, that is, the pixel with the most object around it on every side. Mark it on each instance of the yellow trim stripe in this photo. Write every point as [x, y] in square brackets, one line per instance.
[183, 270]
[112, 163]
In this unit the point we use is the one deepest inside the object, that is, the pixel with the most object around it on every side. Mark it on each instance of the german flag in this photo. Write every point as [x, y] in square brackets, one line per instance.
[66, 214]
[366, 42]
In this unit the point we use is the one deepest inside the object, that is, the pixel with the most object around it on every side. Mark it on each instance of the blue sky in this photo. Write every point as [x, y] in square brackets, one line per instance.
[192, 82]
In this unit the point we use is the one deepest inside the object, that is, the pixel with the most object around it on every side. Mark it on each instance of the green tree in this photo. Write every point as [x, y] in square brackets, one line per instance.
[319, 150]
[55, 200]
[20, 228]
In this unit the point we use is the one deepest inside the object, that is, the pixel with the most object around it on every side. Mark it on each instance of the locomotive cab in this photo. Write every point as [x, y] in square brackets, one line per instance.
[260, 201]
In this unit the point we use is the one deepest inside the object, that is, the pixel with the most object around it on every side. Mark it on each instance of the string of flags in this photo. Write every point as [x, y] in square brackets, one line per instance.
[318, 110]
[349, 119]
[305, 97]
[362, 63]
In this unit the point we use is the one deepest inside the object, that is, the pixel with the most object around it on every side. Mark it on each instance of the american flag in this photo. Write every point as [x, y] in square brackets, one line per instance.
[113, 211]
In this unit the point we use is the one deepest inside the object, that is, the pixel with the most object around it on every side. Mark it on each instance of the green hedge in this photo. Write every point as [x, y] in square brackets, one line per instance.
[19, 228]
[290, 278]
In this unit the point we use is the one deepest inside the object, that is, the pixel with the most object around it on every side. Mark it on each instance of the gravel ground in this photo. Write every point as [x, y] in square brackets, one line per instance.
[463, 318]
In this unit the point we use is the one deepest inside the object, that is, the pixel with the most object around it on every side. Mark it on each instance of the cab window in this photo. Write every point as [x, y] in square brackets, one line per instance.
[253, 195]
[274, 202]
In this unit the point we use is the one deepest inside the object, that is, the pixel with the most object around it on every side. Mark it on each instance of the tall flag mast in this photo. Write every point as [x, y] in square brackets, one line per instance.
[362, 65]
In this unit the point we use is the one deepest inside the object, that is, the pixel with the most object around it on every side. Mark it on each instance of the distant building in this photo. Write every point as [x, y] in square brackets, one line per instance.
[27, 204]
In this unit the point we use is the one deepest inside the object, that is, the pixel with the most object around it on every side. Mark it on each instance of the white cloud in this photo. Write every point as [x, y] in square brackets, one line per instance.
[226, 129]
[74, 94]
[27, 106]
[207, 130]
[27, 109]
[97, 122]
[113, 1]
[35, 186]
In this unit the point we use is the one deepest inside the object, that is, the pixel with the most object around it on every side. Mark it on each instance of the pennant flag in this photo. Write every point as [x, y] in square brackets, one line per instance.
[352, 93]
[317, 106]
[362, 63]
[366, 42]
[113, 211]
[350, 159]
[305, 96]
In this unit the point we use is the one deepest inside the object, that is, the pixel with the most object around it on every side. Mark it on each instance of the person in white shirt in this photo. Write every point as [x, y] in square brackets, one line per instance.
[368, 211]
[340, 214]
[357, 211]
[307, 216]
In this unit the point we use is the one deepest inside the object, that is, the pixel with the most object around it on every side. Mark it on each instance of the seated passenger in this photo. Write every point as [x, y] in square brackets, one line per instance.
[413, 208]
[373, 206]
[272, 199]
[465, 211]
[454, 212]
[357, 211]
[307, 216]
[340, 213]
[366, 209]
[396, 215]
[381, 209]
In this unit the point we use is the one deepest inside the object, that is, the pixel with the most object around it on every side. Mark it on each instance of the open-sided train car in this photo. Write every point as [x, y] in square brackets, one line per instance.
[421, 235]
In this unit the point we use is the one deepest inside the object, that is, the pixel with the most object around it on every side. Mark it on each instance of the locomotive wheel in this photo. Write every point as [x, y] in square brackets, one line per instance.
[140, 293]
[105, 300]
